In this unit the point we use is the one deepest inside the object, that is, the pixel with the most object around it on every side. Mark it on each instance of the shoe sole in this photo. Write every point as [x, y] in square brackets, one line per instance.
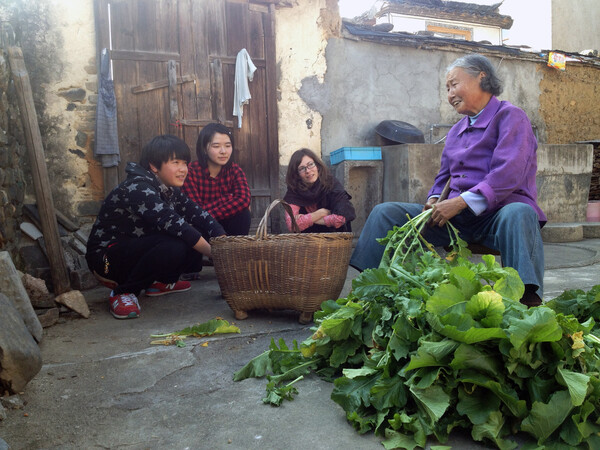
[131, 315]
[159, 293]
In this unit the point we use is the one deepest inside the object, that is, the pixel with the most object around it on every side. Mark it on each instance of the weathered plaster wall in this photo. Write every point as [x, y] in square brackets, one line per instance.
[12, 152]
[58, 41]
[302, 32]
[575, 25]
[569, 103]
[71, 105]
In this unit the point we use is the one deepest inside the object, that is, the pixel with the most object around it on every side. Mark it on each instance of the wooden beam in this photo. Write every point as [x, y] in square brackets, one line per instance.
[41, 181]
[173, 105]
[217, 88]
[143, 56]
[147, 87]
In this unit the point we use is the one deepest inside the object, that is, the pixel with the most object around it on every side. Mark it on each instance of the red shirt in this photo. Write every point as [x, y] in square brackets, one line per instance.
[222, 196]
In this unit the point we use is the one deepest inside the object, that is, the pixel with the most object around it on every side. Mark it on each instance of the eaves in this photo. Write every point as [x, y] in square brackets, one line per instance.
[366, 33]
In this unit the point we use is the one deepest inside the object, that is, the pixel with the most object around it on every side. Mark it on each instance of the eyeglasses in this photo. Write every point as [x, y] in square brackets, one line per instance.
[303, 169]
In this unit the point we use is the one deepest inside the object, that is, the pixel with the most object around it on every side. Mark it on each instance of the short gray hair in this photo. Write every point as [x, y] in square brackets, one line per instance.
[475, 64]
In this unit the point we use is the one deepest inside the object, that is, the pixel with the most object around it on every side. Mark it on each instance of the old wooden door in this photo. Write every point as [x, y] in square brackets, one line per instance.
[173, 65]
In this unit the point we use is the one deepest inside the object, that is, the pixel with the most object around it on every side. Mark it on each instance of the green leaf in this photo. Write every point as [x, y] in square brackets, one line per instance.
[395, 440]
[487, 308]
[474, 357]
[477, 405]
[342, 351]
[577, 384]
[257, 367]
[388, 393]
[510, 286]
[350, 394]
[492, 429]
[433, 400]
[372, 282]
[458, 323]
[545, 418]
[432, 354]
[505, 393]
[538, 325]
[446, 298]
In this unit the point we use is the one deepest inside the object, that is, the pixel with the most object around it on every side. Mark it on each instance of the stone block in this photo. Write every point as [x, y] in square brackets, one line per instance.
[363, 181]
[20, 356]
[591, 230]
[12, 287]
[563, 181]
[83, 279]
[76, 301]
[48, 317]
[562, 232]
[409, 171]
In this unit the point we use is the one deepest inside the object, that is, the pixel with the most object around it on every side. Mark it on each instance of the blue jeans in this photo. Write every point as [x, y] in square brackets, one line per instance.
[514, 230]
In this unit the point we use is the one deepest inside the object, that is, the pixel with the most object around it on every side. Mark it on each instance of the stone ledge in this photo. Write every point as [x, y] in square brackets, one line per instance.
[562, 232]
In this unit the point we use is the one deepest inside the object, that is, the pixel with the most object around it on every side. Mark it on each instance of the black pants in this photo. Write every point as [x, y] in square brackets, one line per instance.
[238, 225]
[138, 262]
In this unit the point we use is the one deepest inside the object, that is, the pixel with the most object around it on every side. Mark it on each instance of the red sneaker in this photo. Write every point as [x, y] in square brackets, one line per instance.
[157, 288]
[124, 306]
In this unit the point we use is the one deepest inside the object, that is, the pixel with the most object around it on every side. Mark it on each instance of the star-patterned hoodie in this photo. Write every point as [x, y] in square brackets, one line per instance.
[142, 205]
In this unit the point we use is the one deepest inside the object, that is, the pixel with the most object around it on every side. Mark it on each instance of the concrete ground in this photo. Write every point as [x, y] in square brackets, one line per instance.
[103, 385]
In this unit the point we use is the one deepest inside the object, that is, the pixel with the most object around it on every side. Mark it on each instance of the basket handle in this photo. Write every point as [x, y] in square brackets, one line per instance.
[261, 231]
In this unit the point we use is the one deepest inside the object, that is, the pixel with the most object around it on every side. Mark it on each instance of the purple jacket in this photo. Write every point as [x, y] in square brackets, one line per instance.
[496, 157]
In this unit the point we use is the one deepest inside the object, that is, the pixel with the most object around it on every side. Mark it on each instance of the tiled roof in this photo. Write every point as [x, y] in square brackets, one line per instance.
[449, 10]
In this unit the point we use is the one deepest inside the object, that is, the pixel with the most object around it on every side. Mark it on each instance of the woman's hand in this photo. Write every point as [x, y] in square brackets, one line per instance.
[318, 215]
[445, 210]
[203, 247]
[432, 201]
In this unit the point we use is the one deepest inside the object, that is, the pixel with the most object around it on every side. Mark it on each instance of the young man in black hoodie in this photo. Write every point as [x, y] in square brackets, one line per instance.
[148, 232]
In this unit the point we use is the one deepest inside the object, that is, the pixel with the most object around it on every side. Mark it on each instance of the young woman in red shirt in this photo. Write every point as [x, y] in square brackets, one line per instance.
[218, 184]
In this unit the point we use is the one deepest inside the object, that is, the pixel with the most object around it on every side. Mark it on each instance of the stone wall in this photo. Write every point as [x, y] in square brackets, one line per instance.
[12, 153]
[57, 38]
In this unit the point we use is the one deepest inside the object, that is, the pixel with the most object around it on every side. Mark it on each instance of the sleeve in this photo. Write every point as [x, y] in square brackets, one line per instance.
[237, 196]
[145, 202]
[334, 221]
[201, 219]
[303, 220]
[511, 159]
[192, 186]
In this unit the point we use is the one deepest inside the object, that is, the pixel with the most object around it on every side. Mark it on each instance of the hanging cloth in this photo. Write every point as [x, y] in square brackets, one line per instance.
[244, 71]
[107, 136]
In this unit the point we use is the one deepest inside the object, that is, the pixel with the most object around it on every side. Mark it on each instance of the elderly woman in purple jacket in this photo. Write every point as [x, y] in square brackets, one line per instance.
[490, 157]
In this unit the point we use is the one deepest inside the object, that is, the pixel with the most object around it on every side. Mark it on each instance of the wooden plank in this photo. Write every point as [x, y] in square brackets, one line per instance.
[130, 55]
[271, 119]
[187, 49]
[146, 87]
[173, 104]
[41, 181]
[217, 89]
[202, 123]
[258, 62]
[126, 74]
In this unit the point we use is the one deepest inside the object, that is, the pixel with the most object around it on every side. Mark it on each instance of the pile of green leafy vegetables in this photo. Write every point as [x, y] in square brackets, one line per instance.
[425, 344]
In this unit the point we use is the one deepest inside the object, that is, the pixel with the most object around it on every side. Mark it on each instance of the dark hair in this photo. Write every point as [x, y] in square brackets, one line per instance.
[293, 179]
[475, 64]
[161, 149]
[206, 137]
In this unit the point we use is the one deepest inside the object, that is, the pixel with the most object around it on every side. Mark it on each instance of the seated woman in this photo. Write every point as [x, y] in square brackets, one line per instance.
[318, 200]
[147, 232]
[490, 158]
[218, 184]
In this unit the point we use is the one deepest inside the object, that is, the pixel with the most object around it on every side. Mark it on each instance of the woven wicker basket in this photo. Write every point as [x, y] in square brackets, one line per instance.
[296, 271]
